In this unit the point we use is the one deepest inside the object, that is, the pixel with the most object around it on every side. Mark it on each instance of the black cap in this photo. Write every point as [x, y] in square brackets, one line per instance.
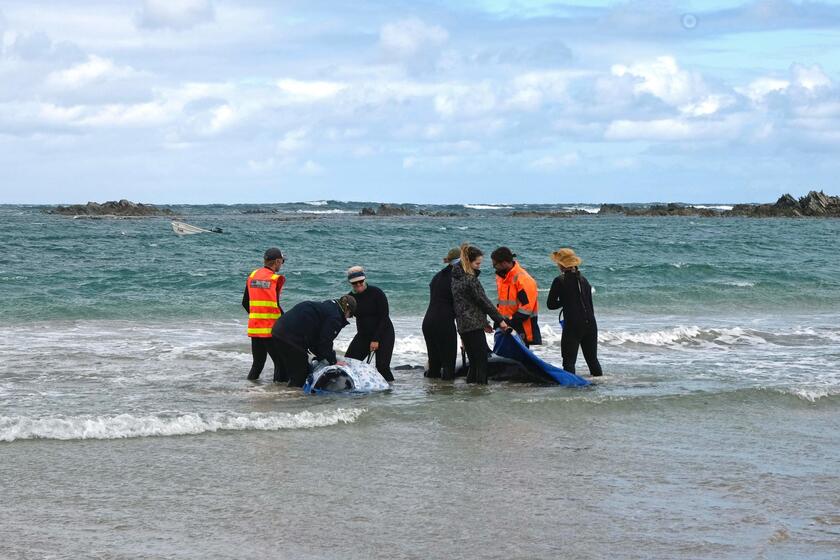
[273, 253]
[502, 254]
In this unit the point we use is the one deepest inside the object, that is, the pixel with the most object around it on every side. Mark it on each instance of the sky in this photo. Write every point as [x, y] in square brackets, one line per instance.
[477, 101]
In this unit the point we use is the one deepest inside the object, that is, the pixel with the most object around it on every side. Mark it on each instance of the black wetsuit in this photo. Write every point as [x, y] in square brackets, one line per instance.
[572, 293]
[373, 324]
[309, 326]
[439, 326]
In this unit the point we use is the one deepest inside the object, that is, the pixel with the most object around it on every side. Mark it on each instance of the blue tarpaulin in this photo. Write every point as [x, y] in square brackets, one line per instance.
[509, 345]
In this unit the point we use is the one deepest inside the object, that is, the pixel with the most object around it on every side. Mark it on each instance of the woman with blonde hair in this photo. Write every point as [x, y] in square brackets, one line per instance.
[471, 310]
[572, 295]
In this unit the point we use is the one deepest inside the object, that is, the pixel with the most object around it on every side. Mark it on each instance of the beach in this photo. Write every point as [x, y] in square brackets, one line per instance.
[128, 430]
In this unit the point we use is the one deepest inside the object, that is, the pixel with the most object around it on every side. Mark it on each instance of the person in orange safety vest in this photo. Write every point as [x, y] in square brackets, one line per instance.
[517, 295]
[262, 302]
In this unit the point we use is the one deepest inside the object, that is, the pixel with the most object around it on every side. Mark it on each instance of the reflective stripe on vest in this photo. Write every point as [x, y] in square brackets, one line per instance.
[508, 303]
[264, 308]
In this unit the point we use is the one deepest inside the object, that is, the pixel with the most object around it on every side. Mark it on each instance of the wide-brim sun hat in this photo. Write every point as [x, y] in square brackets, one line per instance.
[566, 258]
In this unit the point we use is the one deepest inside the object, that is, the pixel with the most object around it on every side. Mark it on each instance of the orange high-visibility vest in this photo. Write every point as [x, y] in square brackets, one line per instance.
[264, 287]
[510, 301]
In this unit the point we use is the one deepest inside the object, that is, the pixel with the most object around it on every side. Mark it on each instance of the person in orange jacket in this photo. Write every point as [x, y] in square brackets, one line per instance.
[517, 295]
[262, 302]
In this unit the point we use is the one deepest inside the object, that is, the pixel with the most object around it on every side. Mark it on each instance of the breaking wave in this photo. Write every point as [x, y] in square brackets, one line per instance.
[122, 426]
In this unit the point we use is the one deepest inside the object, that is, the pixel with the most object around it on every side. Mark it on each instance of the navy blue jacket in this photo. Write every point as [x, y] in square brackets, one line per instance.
[312, 326]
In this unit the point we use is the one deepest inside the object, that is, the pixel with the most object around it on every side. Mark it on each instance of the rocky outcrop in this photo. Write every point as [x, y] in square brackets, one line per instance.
[611, 209]
[671, 209]
[812, 205]
[390, 210]
[121, 209]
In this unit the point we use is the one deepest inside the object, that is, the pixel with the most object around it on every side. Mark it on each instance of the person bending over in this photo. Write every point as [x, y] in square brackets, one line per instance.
[310, 326]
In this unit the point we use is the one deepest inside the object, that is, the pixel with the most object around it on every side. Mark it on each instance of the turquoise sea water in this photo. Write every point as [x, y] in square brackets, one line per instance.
[127, 429]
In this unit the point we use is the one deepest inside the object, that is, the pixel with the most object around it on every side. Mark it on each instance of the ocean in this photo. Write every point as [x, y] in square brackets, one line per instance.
[128, 429]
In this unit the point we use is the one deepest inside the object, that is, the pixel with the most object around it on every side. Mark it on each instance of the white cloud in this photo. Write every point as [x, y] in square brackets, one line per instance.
[174, 14]
[95, 69]
[293, 141]
[664, 79]
[307, 91]
[758, 89]
[810, 77]
[673, 130]
[409, 37]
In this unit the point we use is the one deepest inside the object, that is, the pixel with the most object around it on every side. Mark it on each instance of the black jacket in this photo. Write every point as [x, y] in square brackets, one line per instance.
[471, 303]
[372, 320]
[572, 293]
[441, 305]
[312, 326]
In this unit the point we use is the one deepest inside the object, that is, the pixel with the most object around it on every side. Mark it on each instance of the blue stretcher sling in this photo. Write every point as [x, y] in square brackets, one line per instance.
[509, 345]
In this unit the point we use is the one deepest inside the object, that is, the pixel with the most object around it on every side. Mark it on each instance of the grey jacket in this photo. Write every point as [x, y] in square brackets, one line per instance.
[471, 303]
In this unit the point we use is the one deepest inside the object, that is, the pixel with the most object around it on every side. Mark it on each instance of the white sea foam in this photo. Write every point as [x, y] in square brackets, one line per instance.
[330, 211]
[740, 284]
[129, 426]
[488, 207]
[811, 394]
[587, 209]
[713, 206]
[316, 202]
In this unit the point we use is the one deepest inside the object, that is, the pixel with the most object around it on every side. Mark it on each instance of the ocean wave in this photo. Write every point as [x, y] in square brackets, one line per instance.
[695, 335]
[122, 426]
[488, 207]
[316, 202]
[330, 211]
[713, 206]
[587, 209]
[811, 394]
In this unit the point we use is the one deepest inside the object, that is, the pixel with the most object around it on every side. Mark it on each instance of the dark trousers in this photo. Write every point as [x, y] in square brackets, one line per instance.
[295, 362]
[360, 349]
[260, 348]
[441, 346]
[587, 340]
[475, 345]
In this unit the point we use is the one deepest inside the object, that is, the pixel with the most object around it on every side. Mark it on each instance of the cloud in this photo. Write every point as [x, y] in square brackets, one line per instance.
[95, 69]
[174, 14]
[307, 91]
[311, 168]
[410, 37]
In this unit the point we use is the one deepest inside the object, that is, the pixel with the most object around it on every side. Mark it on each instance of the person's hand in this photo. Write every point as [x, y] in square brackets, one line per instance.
[504, 326]
[341, 363]
[488, 329]
[374, 346]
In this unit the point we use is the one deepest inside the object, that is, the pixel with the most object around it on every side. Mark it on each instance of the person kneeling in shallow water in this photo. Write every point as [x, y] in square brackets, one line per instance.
[375, 330]
[310, 326]
[471, 310]
[571, 293]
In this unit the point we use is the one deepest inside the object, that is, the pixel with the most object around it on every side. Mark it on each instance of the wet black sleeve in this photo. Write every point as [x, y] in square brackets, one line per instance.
[329, 330]
[555, 294]
[383, 320]
[246, 300]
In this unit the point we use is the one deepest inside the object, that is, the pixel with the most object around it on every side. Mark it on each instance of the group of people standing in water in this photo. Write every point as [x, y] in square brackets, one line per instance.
[458, 305]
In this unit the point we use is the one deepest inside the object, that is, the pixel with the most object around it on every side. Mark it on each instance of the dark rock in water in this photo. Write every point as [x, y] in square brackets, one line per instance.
[367, 211]
[611, 209]
[260, 211]
[122, 208]
[389, 210]
[813, 205]
[441, 214]
[671, 209]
